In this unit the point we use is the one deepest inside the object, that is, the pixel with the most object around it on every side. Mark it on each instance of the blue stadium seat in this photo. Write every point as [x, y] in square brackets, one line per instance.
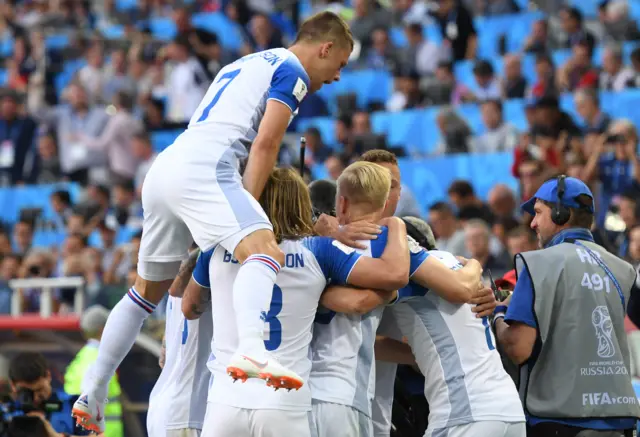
[6, 47]
[123, 5]
[401, 128]
[229, 33]
[284, 23]
[369, 86]
[430, 134]
[32, 196]
[634, 10]
[515, 27]
[560, 57]
[470, 112]
[48, 239]
[163, 139]
[326, 126]
[115, 31]
[397, 37]
[57, 42]
[432, 33]
[513, 112]
[4, 76]
[163, 28]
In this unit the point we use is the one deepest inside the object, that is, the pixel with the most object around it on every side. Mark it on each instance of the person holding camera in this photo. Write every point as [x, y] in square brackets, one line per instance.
[564, 322]
[33, 395]
[614, 162]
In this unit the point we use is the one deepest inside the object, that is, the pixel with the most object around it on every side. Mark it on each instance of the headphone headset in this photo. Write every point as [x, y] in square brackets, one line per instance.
[560, 214]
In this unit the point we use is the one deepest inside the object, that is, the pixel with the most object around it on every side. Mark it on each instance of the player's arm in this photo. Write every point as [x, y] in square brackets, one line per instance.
[390, 271]
[264, 150]
[289, 85]
[455, 286]
[393, 351]
[350, 300]
[197, 295]
[182, 279]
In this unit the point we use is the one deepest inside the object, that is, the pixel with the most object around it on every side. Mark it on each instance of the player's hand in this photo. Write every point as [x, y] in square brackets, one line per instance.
[326, 225]
[50, 431]
[360, 230]
[484, 302]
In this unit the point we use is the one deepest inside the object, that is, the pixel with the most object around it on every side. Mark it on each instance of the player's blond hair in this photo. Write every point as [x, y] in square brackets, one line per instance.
[325, 27]
[365, 183]
[287, 203]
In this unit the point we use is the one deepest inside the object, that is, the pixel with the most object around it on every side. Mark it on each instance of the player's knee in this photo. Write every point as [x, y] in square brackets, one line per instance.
[153, 291]
[260, 242]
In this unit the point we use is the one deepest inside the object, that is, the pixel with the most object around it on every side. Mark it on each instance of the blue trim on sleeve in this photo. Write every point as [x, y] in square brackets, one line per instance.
[201, 271]
[335, 260]
[284, 81]
[521, 306]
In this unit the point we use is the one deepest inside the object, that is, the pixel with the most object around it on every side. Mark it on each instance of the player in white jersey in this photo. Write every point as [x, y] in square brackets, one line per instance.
[177, 404]
[247, 410]
[468, 390]
[194, 192]
[343, 372]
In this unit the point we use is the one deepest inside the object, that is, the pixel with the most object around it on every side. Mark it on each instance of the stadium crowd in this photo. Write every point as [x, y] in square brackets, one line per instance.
[88, 86]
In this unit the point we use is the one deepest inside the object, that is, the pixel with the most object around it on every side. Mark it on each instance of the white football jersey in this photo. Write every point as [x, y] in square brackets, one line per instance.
[232, 108]
[309, 263]
[464, 378]
[343, 368]
[179, 398]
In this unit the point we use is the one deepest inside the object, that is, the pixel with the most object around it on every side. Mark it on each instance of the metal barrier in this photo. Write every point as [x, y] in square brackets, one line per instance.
[46, 285]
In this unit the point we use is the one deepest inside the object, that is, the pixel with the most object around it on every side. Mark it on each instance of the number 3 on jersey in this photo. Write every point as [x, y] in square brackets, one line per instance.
[230, 76]
[275, 327]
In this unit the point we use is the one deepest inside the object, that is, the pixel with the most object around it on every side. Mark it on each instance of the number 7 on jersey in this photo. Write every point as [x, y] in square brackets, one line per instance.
[230, 76]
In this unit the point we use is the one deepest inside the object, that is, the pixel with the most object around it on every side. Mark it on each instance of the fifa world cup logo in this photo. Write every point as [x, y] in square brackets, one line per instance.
[604, 329]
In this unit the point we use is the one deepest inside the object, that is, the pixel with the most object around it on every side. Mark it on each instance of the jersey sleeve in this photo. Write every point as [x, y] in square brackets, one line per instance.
[417, 255]
[521, 306]
[410, 291]
[335, 259]
[289, 84]
[201, 271]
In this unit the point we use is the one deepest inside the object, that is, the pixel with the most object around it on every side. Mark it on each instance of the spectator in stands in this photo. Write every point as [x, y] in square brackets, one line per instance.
[381, 55]
[462, 195]
[22, 237]
[70, 122]
[6, 247]
[262, 35]
[343, 128]
[406, 94]
[539, 41]
[455, 132]
[445, 89]
[317, 151]
[9, 267]
[367, 18]
[628, 210]
[633, 255]
[477, 236]
[116, 77]
[530, 173]
[572, 24]
[115, 140]
[502, 201]
[499, 230]
[615, 21]
[46, 167]
[458, 32]
[187, 82]
[487, 84]
[143, 152]
[613, 161]
[514, 85]
[62, 207]
[587, 104]
[521, 239]
[498, 7]
[614, 75]
[421, 54]
[499, 136]
[578, 71]
[127, 209]
[92, 76]
[17, 135]
[634, 81]
[548, 115]
[335, 164]
[360, 127]
[545, 84]
[449, 236]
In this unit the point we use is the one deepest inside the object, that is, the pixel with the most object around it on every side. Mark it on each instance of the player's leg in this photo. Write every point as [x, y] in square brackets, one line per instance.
[225, 421]
[365, 425]
[479, 429]
[165, 241]
[518, 429]
[183, 433]
[335, 419]
[278, 423]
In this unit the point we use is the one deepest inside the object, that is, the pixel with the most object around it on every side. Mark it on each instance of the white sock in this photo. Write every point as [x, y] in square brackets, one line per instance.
[119, 335]
[252, 292]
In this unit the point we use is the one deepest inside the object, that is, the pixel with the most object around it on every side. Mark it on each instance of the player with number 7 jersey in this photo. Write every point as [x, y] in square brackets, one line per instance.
[246, 409]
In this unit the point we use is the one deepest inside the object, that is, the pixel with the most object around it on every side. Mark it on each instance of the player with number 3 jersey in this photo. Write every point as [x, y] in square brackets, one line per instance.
[194, 192]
